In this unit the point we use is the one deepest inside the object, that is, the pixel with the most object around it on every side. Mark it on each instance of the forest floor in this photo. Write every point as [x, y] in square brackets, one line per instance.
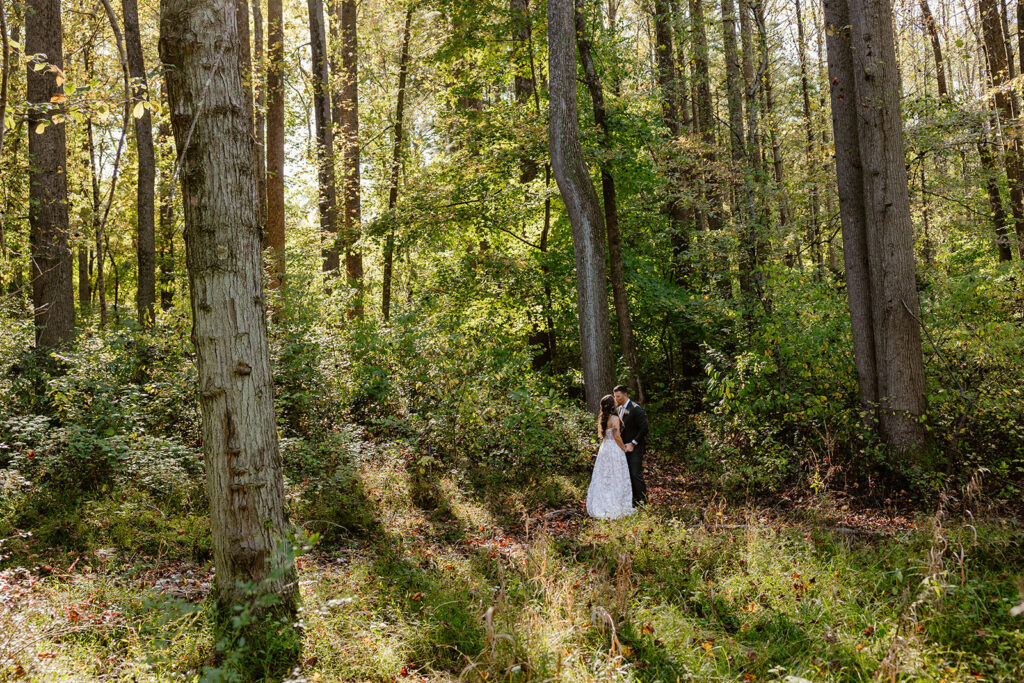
[450, 577]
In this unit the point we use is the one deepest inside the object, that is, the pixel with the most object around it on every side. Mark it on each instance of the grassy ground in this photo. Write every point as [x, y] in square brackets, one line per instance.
[435, 575]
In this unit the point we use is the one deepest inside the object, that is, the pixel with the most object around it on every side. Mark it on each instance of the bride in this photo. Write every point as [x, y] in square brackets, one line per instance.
[610, 495]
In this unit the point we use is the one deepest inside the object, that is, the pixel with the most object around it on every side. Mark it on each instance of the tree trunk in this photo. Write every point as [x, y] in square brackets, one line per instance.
[998, 69]
[97, 225]
[581, 202]
[328, 192]
[198, 40]
[734, 87]
[275, 141]
[53, 296]
[145, 298]
[933, 34]
[396, 164]
[990, 170]
[166, 226]
[257, 81]
[523, 85]
[347, 120]
[812, 234]
[875, 210]
[611, 212]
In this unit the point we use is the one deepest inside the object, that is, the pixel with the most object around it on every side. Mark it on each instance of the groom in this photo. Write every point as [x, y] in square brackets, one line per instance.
[634, 436]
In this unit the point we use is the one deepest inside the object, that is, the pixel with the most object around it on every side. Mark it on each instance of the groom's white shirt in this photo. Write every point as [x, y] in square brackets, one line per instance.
[622, 414]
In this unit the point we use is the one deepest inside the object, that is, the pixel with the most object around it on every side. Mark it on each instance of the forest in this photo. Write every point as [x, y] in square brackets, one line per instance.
[308, 311]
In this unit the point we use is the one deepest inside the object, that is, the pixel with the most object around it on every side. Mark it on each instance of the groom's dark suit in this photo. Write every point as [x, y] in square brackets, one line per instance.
[634, 428]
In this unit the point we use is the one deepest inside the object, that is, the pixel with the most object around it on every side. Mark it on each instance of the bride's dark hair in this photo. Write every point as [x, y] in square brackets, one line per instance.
[607, 408]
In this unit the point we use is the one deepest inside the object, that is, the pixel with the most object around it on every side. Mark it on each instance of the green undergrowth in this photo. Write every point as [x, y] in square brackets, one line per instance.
[438, 574]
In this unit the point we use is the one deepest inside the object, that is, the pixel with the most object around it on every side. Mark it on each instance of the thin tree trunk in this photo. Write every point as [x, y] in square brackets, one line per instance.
[53, 296]
[257, 80]
[348, 122]
[998, 68]
[145, 299]
[275, 142]
[734, 87]
[328, 193]
[4, 77]
[166, 226]
[84, 283]
[97, 225]
[617, 271]
[198, 40]
[396, 164]
[933, 34]
[813, 237]
[523, 85]
[990, 170]
[581, 202]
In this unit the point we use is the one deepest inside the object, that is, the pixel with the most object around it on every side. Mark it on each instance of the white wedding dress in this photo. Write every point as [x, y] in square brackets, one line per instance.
[610, 495]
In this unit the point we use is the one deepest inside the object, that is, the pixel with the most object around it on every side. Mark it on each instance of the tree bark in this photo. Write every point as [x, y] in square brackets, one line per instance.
[998, 69]
[734, 87]
[145, 298]
[328, 193]
[275, 141]
[166, 226]
[523, 85]
[812, 234]
[198, 40]
[53, 296]
[581, 202]
[347, 120]
[933, 35]
[616, 268]
[990, 171]
[875, 210]
[396, 164]
[257, 79]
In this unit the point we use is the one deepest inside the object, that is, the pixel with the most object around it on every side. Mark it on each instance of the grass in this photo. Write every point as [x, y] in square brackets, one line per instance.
[442, 576]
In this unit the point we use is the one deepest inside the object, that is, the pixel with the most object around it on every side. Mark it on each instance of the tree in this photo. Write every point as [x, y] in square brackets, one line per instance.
[145, 299]
[275, 141]
[328, 193]
[53, 296]
[580, 198]
[999, 73]
[198, 42]
[611, 210]
[257, 79]
[396, 163]
[933, 35]
[346, 118]
[812, 235]
[875, 212]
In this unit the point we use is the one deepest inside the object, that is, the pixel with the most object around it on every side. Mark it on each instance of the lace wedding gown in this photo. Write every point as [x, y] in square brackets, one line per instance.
[610, 495]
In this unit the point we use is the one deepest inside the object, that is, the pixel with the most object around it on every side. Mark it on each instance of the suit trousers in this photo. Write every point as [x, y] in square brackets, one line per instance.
[635, 460]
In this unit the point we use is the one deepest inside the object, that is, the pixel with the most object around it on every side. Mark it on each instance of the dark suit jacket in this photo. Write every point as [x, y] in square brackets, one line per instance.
[634, 427]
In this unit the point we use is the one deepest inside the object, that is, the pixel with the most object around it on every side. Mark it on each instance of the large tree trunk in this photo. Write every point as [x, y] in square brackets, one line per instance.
[145, 298]
[396, 164]
[998, 69]
[611, 211]
[346, 118]
[865, 97]
[581, 202]
[198, 40]
[933, 34]
[324, 139]
[734, 87]
[53, 295]
[275, 141]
